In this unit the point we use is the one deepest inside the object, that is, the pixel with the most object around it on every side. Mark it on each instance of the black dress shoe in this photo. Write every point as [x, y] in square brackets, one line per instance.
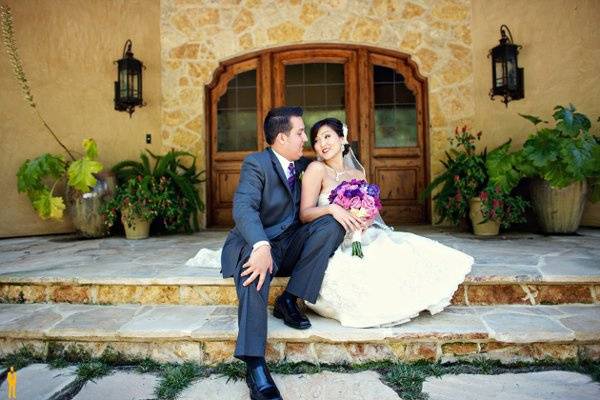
[287, 309]
[261, 384]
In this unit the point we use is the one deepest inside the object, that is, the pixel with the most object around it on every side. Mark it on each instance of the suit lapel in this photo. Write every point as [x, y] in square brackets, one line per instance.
[279, 170]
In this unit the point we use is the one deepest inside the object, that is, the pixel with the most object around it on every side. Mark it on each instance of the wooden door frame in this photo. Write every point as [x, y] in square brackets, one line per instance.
[360, 121]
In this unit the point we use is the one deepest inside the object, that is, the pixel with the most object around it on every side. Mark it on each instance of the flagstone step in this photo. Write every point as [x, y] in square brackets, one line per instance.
[208, 334]
[511, 269]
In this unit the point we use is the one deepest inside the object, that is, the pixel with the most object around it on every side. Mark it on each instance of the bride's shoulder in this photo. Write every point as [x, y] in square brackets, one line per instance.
[316, 167]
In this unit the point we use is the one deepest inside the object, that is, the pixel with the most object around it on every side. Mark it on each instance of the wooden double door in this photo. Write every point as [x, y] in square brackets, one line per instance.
[379, 94]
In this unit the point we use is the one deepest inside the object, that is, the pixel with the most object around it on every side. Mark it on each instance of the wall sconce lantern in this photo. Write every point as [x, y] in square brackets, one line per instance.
[128, 87]
[507, 77]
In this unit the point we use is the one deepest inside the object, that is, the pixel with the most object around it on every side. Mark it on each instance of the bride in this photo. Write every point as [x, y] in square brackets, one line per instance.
[401, 273]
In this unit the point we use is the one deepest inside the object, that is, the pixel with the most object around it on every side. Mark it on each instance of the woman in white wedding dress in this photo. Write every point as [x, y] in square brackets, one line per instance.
[401, 273]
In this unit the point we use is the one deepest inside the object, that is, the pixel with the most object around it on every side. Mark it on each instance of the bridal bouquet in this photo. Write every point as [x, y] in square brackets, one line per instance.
[362, 200]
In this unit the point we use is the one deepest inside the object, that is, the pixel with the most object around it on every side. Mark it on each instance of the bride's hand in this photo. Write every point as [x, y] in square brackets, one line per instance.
[350, 222]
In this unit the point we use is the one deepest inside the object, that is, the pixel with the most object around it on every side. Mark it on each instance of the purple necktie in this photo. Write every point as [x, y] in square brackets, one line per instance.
[292, 179]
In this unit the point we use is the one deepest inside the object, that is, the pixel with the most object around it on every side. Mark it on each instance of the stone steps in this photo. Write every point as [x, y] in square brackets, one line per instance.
[207, 333]
[213, 290]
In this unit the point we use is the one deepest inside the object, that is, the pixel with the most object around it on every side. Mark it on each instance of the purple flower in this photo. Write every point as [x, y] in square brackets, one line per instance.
[373, 190]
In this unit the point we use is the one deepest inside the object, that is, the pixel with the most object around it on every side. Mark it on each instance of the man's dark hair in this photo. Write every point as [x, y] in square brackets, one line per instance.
[278, 120]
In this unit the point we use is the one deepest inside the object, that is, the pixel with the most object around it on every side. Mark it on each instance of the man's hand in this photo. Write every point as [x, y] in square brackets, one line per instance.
[259, 263]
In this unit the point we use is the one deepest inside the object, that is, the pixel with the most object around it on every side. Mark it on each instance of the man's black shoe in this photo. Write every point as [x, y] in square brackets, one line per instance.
[287, 309]
[261, 384]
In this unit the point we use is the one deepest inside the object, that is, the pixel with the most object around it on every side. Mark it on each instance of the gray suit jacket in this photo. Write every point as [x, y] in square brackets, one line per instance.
[263, 205]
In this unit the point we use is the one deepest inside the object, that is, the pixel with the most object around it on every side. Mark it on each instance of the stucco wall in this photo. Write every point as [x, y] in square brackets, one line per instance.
[68, 48]
[560, 55]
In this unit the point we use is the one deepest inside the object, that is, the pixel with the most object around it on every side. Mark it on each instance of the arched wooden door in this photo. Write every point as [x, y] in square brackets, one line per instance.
[378, 94]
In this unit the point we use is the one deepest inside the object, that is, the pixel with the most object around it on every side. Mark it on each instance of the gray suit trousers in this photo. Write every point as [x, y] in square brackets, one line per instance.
[302, 252]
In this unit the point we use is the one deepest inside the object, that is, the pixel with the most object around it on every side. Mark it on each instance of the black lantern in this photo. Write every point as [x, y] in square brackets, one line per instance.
[128, 87]
[507, 77]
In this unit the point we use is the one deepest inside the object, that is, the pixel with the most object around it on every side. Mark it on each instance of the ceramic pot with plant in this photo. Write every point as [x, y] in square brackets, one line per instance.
[136, 203]
[493, 208]
[466, 182]
[558, 159]
[464, 174]
[177, 201]
[591, 211]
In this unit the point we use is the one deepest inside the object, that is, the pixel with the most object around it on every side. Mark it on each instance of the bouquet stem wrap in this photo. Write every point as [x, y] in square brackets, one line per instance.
[357, 244]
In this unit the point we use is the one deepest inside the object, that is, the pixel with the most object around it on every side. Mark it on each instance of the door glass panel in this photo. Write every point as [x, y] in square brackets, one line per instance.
[395, 110]
[236, 114]
[318, 88]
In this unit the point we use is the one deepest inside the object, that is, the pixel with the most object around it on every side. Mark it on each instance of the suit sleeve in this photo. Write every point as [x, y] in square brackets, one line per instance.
[247, 200]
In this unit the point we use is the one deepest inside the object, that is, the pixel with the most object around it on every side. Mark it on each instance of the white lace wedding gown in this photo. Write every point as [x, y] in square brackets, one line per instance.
[400, 275]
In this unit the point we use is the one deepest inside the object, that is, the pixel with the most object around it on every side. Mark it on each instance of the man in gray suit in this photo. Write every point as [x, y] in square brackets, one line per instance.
[269, 240]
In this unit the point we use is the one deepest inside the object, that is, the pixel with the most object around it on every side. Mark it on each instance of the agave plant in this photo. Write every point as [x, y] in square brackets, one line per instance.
[176, 183]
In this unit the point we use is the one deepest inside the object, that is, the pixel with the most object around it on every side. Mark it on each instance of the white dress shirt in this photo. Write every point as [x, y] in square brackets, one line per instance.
[284, 165]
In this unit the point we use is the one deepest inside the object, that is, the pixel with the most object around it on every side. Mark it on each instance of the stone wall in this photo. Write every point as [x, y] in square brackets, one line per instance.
[196, 35]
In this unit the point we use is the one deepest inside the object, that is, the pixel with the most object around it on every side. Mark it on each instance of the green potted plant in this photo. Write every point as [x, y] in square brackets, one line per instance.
[136, 203]
[39, 177]
[558, 161]
[591, 212]
[175, 173]
[477, 185]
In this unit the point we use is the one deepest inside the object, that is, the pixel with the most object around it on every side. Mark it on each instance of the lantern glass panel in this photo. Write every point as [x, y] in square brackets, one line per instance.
[134, 85]
[123, 83]
[500, 73]
[511, 72]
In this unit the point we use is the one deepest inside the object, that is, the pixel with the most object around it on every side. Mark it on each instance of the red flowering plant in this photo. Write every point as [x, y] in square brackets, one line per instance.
[463, 178]
[138, 196]
[498, 205]
[468, 174]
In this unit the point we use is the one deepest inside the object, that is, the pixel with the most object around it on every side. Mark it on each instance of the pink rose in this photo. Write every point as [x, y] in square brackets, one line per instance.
[355, 203]
[368, 202]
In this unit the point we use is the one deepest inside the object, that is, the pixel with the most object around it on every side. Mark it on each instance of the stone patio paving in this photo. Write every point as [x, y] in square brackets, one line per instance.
[40, 382]
[515, 256]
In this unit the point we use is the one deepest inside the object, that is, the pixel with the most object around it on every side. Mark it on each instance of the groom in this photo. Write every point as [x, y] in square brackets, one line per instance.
[268, 240]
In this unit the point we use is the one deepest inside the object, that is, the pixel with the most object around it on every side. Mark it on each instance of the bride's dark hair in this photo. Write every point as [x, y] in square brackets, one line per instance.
[334, 124]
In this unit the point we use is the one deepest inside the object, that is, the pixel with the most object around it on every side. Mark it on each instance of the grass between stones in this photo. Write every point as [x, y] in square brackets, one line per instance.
[406, 379]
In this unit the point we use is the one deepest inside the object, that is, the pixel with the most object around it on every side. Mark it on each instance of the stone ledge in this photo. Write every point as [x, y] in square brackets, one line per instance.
[224, 293]
[209, 332]
[214, 352]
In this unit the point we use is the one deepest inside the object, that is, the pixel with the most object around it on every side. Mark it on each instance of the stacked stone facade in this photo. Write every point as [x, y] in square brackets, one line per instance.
[198, 34]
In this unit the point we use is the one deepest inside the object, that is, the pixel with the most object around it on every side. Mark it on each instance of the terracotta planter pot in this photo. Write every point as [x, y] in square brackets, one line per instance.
[139, 230]
[84, 208]
[558, 210]
[489, 228]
